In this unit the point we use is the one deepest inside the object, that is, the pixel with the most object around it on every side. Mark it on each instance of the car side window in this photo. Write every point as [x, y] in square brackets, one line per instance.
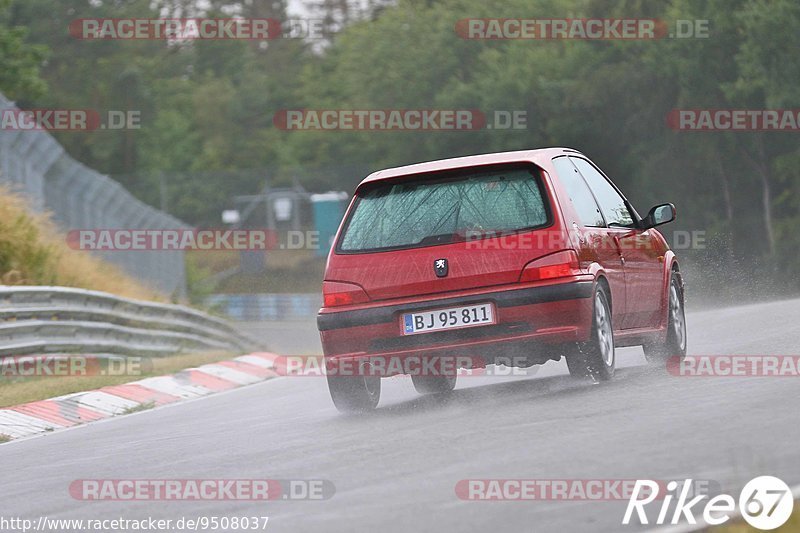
[579, 193]
[611, 203]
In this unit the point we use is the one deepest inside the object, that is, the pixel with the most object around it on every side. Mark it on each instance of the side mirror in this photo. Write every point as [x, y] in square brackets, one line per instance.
[660, 214]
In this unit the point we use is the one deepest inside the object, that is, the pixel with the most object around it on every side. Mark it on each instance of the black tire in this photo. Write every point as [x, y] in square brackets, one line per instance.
[434, 384]
[355, 394]
[596, 358]
[676, 341]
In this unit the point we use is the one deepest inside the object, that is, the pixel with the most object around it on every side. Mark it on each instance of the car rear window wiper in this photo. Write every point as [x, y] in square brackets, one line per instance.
[442, 238]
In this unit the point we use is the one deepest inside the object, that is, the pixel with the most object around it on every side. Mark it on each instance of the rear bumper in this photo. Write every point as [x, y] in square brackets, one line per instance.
[533, 315]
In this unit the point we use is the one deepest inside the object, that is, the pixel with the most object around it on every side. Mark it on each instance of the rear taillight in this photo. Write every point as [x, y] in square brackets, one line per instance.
[337, 293]
[557, 265]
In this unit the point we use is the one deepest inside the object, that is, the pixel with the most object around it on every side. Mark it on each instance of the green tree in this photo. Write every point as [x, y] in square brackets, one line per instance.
[20, 62]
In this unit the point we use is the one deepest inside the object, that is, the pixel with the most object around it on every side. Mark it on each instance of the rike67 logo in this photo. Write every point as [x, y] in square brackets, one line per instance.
[765, 503]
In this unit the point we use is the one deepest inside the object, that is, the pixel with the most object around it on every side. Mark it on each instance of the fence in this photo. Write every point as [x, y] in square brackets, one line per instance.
[78, 197]
[39, 320]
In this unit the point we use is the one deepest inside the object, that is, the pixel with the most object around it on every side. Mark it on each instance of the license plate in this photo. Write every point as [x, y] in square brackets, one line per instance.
[467, 316]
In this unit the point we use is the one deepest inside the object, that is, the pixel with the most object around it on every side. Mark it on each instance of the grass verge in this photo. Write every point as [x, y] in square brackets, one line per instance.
[33, 252]
[141, 407]
[14, 391]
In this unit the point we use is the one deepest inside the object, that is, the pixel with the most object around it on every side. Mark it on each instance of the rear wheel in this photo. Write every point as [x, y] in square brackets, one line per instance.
[675, 344]
[434, 384]
[596, 359]
[354, 394]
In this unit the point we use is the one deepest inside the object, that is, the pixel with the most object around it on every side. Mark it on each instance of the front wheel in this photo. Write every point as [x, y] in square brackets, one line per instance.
[354, 394]
[675, 344]
[596, 358]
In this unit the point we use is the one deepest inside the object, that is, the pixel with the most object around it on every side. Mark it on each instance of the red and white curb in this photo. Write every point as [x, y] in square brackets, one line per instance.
[81, 407]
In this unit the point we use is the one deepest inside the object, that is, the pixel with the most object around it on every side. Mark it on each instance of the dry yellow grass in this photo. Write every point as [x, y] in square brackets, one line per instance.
[33, 252]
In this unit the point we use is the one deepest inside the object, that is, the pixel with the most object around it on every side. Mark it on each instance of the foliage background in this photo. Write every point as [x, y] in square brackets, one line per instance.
[207, 107]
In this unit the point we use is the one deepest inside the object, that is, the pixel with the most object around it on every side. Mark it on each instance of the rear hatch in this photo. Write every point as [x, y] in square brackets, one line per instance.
[486, 224]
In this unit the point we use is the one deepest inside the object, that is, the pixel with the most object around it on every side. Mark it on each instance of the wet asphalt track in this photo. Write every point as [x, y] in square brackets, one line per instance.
[396, 470]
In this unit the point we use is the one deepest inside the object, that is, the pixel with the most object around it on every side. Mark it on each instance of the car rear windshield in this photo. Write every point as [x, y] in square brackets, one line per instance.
[426, 212]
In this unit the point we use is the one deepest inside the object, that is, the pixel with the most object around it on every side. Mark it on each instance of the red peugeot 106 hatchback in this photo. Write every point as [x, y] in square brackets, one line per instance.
[522, 256]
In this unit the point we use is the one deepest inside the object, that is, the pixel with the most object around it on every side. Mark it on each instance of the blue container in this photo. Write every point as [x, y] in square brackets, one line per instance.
[328, 209]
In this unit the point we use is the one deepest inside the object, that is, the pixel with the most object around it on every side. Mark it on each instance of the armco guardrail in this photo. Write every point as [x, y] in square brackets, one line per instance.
[40, 320]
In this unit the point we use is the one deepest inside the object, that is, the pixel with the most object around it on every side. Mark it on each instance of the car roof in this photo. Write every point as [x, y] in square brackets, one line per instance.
[537, 157]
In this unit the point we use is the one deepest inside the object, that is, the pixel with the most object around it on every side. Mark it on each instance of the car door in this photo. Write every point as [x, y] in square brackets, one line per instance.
[638, 249]
[594, 240]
